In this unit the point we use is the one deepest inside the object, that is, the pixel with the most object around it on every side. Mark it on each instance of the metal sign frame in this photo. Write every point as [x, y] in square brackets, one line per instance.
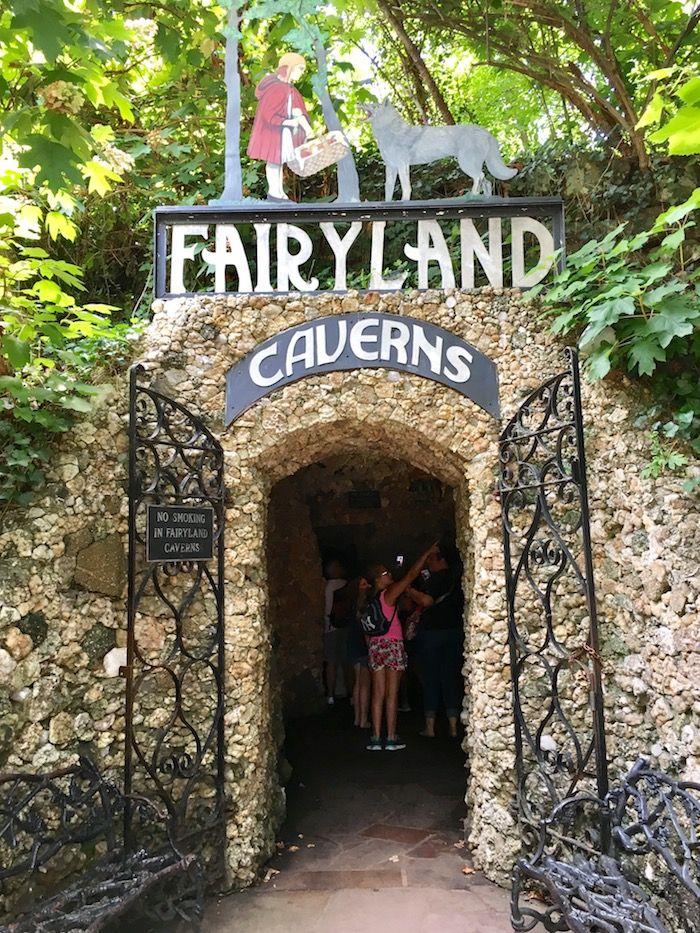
[544, 208]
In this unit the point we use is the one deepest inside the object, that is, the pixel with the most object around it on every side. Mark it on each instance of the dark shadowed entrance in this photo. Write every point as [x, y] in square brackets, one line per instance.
[358, 508]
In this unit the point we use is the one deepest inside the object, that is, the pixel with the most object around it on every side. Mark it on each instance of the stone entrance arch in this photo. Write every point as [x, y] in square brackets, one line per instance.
[193, 344]
[408, 418]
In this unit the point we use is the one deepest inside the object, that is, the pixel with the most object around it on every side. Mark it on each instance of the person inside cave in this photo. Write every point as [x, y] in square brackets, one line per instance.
[339, 608]
[387, 653]
[440, 644]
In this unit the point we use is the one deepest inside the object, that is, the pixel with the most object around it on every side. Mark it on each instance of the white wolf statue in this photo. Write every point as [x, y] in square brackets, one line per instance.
[402, 145]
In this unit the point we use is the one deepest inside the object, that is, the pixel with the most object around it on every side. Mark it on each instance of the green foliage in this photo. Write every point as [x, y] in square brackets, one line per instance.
[62, 79]
[633, 302]
[111, 108]
[633, 299]
[677, 97]
[664, 457]
[48, 339]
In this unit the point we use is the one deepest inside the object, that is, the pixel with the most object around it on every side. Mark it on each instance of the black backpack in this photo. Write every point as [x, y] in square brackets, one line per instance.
[373, 621]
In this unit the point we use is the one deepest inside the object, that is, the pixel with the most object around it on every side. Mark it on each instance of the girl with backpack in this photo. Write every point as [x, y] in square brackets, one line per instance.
[386, 651]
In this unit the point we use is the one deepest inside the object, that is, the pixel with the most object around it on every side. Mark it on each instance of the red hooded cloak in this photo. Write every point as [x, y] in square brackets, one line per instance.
[272, 110]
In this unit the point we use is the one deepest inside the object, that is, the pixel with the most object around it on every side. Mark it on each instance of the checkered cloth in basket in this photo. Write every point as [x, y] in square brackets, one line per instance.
[318, 153]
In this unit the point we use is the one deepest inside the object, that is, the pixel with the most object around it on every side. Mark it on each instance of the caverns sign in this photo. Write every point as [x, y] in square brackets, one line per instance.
[362, 341]
[380, 247]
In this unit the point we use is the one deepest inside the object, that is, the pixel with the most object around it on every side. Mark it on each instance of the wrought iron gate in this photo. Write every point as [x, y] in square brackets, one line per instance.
[552, 620]
[175, 644]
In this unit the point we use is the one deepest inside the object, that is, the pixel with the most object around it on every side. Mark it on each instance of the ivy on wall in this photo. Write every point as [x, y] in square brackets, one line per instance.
[634, 299]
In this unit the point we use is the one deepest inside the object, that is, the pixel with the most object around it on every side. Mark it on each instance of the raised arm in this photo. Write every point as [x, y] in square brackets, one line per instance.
[394, 590]
[420, 599]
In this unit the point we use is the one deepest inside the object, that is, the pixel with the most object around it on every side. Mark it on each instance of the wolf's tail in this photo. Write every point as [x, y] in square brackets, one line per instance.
[496, 165]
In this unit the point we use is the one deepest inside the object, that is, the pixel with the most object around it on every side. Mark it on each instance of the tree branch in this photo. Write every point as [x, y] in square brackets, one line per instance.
[393, 14]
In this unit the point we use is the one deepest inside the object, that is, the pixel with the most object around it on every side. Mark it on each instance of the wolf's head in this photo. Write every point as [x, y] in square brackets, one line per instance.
[380, 114]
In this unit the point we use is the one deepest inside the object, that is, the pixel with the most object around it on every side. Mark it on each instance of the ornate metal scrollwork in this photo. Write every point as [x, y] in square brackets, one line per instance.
[552, 621]
[45, 819]
[646, 881]
[174, 672]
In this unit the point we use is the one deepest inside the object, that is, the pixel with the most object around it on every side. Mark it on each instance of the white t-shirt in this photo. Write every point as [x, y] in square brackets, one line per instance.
[331, 587]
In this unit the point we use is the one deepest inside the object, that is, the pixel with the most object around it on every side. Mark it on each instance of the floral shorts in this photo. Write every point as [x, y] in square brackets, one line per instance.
[387, 652]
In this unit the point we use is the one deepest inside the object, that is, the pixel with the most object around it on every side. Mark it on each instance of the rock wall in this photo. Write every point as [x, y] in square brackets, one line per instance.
[295, 608]
[62, 584]
[62, 614]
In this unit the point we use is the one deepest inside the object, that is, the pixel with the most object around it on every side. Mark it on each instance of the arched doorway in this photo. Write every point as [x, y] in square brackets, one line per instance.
[359, 508]
[436, 430]
[450, 439]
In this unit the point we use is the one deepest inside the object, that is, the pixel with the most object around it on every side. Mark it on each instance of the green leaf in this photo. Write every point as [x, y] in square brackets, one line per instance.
[644, 355]
[75, 403]
[672, 320]
[58, 224]
[653, 112]
[673, 240]
[686, 119]
[55, 334]
[685, 143]
[610, 312]
[684, 418]
[678, 212]
[682, 132]
[47, 291]
[113, 97]
[100, 308]
[49, 32]
[659, 74]
[565, 320]
[10, 384]
[17, 351]
[690, 92]
[661, 292]
[54, 163]
[167, 42]
[99, 177]
[598, 363]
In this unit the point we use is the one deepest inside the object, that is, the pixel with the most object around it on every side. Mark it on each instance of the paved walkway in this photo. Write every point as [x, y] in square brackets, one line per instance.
[372, 842]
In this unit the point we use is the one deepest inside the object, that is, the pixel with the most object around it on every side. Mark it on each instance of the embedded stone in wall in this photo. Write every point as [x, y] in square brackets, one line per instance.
[7, 666]
[295, 602]
[77, 541]
[100, 567]
[34, 625]
[98, 641]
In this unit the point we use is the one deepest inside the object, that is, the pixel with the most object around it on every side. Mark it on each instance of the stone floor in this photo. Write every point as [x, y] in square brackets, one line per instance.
[373, 842]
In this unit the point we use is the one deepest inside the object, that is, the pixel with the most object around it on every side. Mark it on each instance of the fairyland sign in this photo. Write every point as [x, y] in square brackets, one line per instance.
[362, 341]
[267, 248]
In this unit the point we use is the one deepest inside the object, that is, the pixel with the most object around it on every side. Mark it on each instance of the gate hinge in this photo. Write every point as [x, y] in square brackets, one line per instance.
[576, 471]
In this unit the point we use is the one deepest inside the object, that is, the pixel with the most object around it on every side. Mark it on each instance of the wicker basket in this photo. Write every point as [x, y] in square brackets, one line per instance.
[318, 153]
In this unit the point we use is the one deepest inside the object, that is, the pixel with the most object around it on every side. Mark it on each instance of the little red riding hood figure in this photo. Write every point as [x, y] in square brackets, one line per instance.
[281, 121]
